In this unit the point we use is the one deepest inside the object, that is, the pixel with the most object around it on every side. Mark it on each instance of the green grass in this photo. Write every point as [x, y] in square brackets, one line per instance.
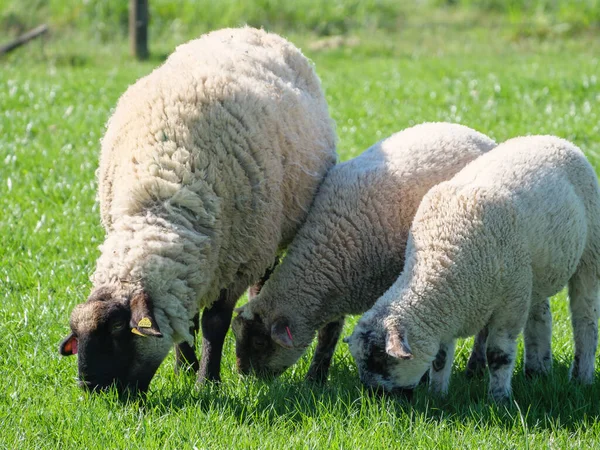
[54, 103]
[107, 20]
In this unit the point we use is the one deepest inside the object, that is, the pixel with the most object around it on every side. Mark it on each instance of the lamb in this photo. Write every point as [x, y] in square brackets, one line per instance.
[208, 168]
[350, 249]
[486, 249]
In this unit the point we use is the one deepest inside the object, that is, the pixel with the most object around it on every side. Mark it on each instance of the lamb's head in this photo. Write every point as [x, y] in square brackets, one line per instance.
[386, 363]
[117, 341]
[264, 346]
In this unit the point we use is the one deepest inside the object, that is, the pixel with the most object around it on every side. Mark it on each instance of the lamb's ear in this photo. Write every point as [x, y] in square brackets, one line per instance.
[68, 346]
[281, 333]
[396, 345]
[142, 321]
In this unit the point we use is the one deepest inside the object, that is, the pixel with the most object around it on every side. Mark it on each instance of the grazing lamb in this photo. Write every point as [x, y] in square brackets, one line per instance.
[351, 247]
[486, 249]
[208, 168]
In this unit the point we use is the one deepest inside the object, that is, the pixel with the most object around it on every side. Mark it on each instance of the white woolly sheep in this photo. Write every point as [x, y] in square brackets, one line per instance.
[208, 168]
[486, 249]
[351, 247]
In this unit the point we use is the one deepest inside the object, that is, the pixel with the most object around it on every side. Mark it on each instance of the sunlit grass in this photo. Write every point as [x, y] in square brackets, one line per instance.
[53, 108]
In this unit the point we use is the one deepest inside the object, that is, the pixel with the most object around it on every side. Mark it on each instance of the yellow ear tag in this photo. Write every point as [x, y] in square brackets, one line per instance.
[136, 331]
[145, 323]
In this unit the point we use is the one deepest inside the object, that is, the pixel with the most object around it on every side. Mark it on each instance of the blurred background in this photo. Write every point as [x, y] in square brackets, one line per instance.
[78, 26]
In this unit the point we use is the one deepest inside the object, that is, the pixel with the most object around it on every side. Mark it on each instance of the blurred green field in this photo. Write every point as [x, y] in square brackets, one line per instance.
[388, 68]
[106, 20]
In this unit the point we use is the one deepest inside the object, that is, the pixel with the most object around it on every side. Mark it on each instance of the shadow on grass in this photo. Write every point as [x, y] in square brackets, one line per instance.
[541, 403]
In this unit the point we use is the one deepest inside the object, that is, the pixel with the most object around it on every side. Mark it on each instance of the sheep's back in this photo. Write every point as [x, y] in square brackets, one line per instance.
[231, 135]
[359, 222]
[545, 190]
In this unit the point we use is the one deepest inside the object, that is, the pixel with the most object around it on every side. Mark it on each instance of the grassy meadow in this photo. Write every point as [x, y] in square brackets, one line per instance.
[527, 68]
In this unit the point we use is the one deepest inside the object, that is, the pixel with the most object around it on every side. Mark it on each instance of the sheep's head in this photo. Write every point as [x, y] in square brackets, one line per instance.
[265, 347]
[385, 360]
[117, 341]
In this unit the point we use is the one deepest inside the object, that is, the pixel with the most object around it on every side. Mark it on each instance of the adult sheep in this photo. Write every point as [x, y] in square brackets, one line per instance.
[487, 248]
[208, 167]
[351, 247]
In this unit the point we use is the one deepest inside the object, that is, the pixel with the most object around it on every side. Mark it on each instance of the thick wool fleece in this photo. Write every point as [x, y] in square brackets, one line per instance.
[487, 248]
[351, 247]
[208, 167]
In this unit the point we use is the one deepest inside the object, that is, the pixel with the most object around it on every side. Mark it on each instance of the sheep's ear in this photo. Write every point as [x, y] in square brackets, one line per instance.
[281, 333]
[239, 310]
[142, 321]
[396, 345]
[68, 346]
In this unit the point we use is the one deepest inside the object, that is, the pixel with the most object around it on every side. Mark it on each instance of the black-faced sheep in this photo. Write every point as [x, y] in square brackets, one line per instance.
[351, 248]
[208, 168]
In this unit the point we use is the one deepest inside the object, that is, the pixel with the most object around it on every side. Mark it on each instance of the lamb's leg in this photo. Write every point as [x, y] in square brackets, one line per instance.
[503, 329]
[326, 341]
[441, 368]
[185, 354]
[215, 323]
[255, 289]
[538, 338]
[476, 364]
[585, 306]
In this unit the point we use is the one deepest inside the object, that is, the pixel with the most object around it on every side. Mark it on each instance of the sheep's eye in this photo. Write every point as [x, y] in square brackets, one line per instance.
[259, 342]
[378, 354]
[118, 326]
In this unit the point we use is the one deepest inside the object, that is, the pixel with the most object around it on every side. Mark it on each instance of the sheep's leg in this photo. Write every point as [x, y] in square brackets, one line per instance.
[585, 306]
[476, 364]
[215, 324]
[503, 329]
[185, 354]
[441, 368]
[255, 289]
[501, 351]
[538, 338]
[326, 341]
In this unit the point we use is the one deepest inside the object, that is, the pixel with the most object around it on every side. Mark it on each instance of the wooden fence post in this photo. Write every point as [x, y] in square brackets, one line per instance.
[23, 39]
[138, 28]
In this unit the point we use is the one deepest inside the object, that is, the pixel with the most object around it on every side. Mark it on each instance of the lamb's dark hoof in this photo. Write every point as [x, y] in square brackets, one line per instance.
[318, 376]
[186, 361]
[475, 368]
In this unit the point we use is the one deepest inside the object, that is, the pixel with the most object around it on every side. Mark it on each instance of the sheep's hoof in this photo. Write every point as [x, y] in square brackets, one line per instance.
[204, 381]
[535, 372]
[475, 368]
[318, 376]
[579, 376]
[500, 397]
[186, 361]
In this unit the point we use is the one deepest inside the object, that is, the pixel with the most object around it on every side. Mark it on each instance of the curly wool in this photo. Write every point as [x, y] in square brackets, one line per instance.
[208, 167]
[508, 231]
[351, 248]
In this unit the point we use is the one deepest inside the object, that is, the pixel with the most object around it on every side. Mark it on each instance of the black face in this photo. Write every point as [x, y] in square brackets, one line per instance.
[375, 368]
[105, 354]
[378, 361]
[117, 341]
[254, 347]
